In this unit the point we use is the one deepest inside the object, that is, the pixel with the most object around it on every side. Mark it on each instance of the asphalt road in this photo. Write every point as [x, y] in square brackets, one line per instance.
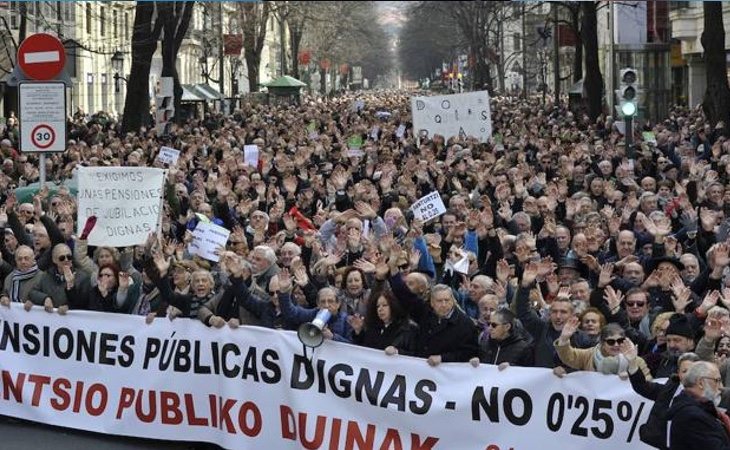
[25, 435]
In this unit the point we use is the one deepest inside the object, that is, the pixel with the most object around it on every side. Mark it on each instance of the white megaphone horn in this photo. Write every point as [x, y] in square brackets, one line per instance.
[310, 333]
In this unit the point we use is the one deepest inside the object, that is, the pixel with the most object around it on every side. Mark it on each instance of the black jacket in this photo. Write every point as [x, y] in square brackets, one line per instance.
[695, 425]
[400, 335]
[514, 349]
[654, 431]
[454, 338]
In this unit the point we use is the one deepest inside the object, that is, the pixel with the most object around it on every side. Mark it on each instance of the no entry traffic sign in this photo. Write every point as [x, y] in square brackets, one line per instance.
[41, 56]
[42, 115]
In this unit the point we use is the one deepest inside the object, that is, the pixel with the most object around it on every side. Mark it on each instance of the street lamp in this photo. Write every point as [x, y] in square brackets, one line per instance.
[118, 66]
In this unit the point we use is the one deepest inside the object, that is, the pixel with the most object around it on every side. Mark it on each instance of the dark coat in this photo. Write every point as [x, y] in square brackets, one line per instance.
[454, 338]
[654, 431]
[399, 334]
[297, 315]
[695, 425]
[514, 349]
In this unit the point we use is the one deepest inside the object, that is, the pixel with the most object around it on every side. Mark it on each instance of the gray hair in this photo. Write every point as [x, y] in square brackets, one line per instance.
[267, 252]
[689, 356]
[699, 370]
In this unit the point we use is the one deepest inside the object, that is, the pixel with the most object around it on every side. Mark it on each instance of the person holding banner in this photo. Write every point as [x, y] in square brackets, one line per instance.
[507, 344]
[21, 281]
[385, 325]
[61, 285]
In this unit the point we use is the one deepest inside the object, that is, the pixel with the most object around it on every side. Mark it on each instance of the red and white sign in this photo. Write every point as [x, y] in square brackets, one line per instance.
[41, 57]
[42, 116]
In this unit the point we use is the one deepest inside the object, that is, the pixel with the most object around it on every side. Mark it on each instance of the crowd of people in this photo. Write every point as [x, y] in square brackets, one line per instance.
[557, 249]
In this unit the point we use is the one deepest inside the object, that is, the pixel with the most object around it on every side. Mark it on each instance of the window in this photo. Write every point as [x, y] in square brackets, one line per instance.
[88, 18]
[102, 21]
[116, 25]
[126, 26]
[516, 38]
[69, 10]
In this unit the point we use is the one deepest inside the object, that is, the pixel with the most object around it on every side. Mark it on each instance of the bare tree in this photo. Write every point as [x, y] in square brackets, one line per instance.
[146, 33]
[252, 18]
[593, 81]
[716, 103]
[176, 19]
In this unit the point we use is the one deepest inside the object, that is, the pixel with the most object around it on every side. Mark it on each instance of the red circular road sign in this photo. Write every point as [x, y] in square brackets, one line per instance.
[43, 136]
[41, 56]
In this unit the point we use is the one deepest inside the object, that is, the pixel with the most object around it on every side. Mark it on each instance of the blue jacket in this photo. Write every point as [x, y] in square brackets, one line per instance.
[297, 315]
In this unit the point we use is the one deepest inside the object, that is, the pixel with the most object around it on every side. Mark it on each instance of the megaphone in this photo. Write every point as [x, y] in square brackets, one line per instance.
[310, 333]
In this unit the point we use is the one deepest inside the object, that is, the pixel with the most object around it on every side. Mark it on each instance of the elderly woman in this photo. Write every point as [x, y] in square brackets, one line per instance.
[606, 357]
[353, 293]
[385, 324]
[591, 322]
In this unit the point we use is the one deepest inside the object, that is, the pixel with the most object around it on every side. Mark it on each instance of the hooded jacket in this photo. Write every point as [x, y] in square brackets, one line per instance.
[514, 349]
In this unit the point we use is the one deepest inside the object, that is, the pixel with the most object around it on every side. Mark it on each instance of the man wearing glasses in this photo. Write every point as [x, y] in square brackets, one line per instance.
[694, 420]
[60, 282]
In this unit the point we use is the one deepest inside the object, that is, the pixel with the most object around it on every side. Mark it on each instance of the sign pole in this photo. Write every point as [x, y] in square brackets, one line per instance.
[43, 169]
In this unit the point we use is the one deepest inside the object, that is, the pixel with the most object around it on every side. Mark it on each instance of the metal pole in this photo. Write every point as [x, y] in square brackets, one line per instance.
[524, 53]
[556, 55]
[43, 170]
[629, 125]
[611, 63]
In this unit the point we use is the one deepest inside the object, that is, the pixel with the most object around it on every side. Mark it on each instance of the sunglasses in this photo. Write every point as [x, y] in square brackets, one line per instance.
[635, 304]
[66, 257]
[613, 342]
[494, 324]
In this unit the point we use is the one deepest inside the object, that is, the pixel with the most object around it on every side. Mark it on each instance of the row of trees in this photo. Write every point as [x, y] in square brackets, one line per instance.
[336, 32]
[476, 28]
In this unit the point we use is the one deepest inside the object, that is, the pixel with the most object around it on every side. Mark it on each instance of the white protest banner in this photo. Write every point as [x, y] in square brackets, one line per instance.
[251, 155]
[355, 153]
[207, 237]
[251, 388]
[461, 115]
[400, 132]
[428, 207]
[168, 155]
[125, 200]
[374, 133]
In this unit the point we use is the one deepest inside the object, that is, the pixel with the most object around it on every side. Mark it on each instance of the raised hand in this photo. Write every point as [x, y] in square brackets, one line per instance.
[529, 274]
[285, 281]
[357, 322]
[613, 298]
[162, 263]
[629, 350]
[680, 296]
[606, 276]
[503, 270]
[364, 265]
[124, 281]
[711, 299]
[570, 327]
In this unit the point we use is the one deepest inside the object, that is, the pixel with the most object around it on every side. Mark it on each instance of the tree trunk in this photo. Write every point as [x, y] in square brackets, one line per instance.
[593, 82]
[556, 55]
[578, 60]
[323, 81]
[144, 43]
[716, 103]
[252, 67]
[295, 38]
[176, 18]
[23, 12]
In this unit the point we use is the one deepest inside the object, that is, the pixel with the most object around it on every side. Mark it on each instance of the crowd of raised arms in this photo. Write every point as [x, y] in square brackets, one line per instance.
[556, 250]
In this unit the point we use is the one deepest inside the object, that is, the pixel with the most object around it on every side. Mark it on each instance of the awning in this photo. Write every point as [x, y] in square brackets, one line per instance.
[208, 92]
[188, 95]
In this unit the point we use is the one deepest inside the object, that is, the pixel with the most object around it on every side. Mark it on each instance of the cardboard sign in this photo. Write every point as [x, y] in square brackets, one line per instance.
[168, 155]
[125, 200]
[458, 115]
[354, 141]
[428, 207]
[207, 238]
[400, 132]
[251, 155]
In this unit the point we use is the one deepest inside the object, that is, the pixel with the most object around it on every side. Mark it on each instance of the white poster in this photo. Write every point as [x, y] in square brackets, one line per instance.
[251, 388]
[428, 207]
[207, 238]
[400, 132]
[125, 200]
[251, 155]
[460, 115]
[168, 155]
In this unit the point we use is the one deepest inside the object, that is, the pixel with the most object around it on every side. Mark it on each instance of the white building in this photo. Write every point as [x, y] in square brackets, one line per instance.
[98, 38]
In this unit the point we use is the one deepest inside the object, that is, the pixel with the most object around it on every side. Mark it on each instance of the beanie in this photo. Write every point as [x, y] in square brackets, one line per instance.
[679, 326]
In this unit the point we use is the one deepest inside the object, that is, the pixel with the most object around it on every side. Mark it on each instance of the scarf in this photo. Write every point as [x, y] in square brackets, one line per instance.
[149, 292]
[18, 276]
[609, 365]
[725, 420]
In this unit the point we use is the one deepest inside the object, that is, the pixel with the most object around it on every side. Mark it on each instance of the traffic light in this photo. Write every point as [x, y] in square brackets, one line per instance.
[628, 93]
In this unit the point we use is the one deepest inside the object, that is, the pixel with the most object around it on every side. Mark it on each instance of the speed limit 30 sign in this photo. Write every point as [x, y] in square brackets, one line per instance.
[42, 114]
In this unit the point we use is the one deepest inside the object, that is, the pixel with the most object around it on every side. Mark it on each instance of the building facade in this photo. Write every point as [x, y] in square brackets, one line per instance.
[98, 37]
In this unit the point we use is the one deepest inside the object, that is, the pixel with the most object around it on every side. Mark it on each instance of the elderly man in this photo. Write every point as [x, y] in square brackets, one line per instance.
[22, 280]
[691, 268]
[60, 285]
[680, 339]
[263, 267]
[695, 423]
